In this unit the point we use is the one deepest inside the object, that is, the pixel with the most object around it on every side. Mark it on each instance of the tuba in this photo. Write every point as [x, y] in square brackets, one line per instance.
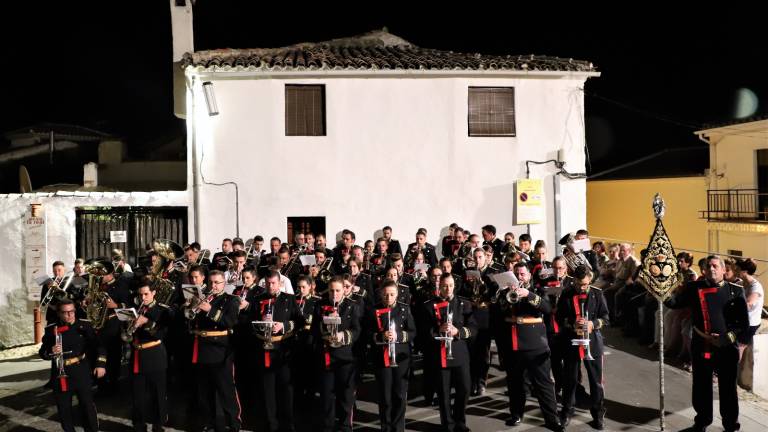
[96, 299]
[171, 251]
[572, 258]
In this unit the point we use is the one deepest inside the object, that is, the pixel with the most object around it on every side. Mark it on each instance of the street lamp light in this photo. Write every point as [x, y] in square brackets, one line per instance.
[210, 98]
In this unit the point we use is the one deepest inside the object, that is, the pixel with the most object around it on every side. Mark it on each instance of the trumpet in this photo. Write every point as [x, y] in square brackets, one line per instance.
[325, 274]
[584, 333]
[392, 343]
[59, 358]
[446, 337]
[512, 297]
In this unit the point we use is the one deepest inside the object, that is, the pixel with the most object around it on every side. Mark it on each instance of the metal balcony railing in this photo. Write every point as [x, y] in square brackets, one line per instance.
[737, 205]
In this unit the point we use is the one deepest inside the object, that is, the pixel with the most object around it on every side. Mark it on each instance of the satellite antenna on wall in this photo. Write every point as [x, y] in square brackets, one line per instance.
[25, 184]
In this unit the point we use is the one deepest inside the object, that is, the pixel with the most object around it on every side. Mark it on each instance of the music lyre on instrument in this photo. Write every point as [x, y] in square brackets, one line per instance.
[265, 326]
[331, 324]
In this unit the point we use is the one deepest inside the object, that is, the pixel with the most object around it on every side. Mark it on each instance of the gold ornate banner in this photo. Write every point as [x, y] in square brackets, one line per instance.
[660, 273]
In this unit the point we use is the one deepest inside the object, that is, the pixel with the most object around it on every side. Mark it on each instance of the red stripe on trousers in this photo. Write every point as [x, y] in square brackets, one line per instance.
[194, 350]
[135, 361]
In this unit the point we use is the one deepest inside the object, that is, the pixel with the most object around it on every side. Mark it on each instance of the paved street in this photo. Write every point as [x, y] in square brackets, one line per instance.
[631, 393]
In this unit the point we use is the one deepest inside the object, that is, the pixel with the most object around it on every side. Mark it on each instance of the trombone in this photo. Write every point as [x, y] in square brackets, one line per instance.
[55, 290]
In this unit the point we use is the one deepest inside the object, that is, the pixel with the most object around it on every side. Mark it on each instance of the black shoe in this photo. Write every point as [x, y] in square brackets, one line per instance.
[481, 390]
[733, 428]
[597, 424]
[513, 421]
[556, 427]
[158, 428]
[565, 418]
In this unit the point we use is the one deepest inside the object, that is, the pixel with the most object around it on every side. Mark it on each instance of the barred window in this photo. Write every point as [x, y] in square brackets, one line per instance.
[304, 110]
[492, 111]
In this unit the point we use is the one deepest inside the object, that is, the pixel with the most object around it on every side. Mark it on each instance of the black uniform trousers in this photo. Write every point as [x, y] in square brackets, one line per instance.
[150, 404]
[557, 361]
[453, 418]
[337, 393]
[571, 380]
[302, 374]
[109, 337]
[277, 396]
[480, 357]
[537, 364]
[216, 384]
[724, 361]
[393, 395]
[78, 383]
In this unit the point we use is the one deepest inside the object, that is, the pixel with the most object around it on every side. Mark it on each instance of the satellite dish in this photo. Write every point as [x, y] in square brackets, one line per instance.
[25, 184]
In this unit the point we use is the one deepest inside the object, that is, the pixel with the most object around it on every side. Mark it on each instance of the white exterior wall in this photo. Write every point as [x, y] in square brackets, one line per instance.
[396, 153]
[18, 324]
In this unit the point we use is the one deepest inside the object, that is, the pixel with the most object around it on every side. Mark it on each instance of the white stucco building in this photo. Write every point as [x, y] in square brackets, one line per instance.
[354, 133]
[372, 131]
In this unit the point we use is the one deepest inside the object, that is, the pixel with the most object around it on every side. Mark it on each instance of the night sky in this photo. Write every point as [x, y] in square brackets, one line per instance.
[664, 74]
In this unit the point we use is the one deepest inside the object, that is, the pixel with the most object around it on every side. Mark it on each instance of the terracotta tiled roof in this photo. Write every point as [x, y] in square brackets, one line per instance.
[377, 50]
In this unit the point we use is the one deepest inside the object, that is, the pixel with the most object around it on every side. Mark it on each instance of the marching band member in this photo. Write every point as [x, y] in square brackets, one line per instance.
[149, 359]
[578, 303]
[552, 287]
[719, 314]
[212, 356]
[335, 328]
[480, 292]
[490, 239]
[66, 343]
[450, 318]
[273, 351]
[393, 330]
[303, 373]
[518, 325]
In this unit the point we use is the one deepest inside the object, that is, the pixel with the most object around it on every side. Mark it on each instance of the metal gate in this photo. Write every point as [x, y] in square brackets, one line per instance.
[142, 225]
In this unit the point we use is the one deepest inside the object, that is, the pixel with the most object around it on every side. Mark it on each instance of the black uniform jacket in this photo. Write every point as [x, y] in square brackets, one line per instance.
[306, 307]
[378, 321]
[569, 309]
[350, 325]
[435, 313]
[481, 293]
[81, 346]
[212, 330]
[284, 310]
[520, 326]
[715, 308]
[146, 354]
[430, 255]
[497, 244]
[553, 288]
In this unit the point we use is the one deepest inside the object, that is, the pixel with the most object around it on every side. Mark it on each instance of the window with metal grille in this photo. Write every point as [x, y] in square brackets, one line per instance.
[304, 110]
[492, 111]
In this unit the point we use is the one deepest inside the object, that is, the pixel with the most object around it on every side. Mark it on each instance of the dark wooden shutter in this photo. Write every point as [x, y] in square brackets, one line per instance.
[492, 111]
[304, 110]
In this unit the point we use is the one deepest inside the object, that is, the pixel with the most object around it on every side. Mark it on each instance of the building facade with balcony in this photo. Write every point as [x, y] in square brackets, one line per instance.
[737, 195]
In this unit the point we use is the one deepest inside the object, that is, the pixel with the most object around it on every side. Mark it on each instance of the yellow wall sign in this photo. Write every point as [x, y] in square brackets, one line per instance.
[528, 202]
